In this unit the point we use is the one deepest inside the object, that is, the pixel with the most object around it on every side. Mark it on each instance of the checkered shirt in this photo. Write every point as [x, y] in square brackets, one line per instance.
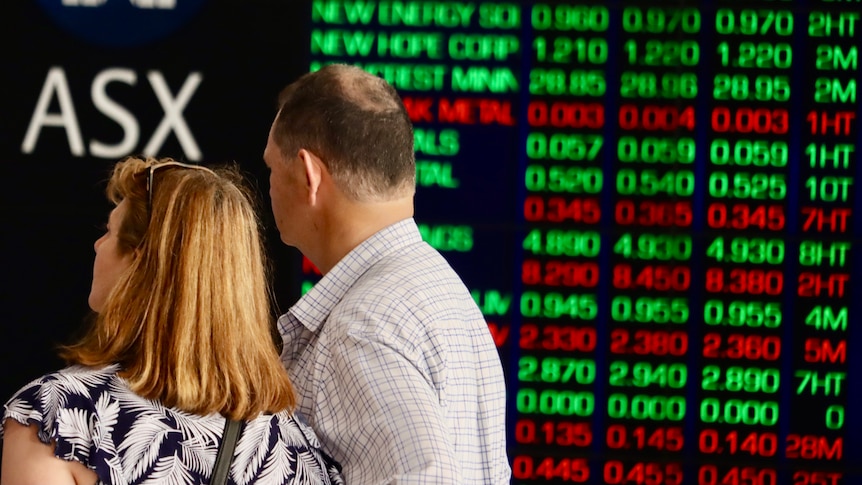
[396, 370]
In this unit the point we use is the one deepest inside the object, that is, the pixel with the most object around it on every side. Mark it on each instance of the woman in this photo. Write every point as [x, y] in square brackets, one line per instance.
[181, 340]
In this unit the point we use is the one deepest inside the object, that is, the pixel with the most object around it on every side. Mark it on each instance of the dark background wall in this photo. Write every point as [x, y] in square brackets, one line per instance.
[52, 200]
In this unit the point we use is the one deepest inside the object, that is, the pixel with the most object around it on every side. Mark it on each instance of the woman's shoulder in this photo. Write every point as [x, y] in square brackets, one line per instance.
[75, 377]
[294, 425]
[74, 382]
[71, 381]
[62, 404]
[285, 439]
[72, 387]
[283, 427]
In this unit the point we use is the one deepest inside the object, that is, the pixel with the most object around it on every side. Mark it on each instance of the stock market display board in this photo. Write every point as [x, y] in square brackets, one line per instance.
[653, 205]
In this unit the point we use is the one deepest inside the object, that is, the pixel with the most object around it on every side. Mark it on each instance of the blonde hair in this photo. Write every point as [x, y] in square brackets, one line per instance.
[189, 321]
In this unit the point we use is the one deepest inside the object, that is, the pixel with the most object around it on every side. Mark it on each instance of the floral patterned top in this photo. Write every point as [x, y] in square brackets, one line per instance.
[94, 418]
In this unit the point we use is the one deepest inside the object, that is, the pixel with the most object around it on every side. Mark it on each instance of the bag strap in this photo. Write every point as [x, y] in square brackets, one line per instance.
[229, 438]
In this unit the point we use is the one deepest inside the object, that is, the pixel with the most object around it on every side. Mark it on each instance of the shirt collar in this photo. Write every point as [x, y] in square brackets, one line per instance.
[313, 308]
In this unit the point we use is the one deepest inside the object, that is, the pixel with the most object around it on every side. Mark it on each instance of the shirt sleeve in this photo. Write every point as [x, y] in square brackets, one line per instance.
[388, 410]
[63, 413]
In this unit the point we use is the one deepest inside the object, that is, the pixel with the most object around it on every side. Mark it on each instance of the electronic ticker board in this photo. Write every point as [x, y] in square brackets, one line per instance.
[652, 203]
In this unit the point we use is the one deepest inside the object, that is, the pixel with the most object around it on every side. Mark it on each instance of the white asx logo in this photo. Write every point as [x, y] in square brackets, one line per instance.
[162, 4]
[56, 87]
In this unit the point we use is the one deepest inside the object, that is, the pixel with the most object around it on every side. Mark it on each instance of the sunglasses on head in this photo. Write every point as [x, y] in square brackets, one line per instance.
[151, 170]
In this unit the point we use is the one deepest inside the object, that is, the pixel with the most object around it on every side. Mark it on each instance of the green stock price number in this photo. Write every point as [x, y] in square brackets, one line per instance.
[645, 374]
[754, 250]
[739, 87]
[754, 22]
[744, 153]
[647, 309]
[558, 305]
[578, 18]
[646, 407]
[653, 150]
[556, 370]
[558, 82]
[662, 247]
[662, 52]
[647, 85]
[655, 20]
[652, 182]
[555, 402]
[740, 379]
[761, 55]
[744, 185]
[558, 242]
[568, 50]
[563, 179]
[752, 314]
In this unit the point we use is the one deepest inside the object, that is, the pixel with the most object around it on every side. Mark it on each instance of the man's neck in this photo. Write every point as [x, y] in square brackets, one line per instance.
[347, 225]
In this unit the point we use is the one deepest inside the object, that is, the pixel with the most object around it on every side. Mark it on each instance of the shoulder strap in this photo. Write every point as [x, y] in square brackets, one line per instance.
[229, 438]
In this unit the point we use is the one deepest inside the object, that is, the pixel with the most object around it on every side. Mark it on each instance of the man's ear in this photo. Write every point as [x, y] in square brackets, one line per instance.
[312, 168]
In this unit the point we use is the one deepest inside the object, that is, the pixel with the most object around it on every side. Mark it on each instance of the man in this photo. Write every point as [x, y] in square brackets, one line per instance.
[391, 359]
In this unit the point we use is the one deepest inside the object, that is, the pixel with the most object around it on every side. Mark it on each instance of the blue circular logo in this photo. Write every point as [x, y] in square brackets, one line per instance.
[121, 23]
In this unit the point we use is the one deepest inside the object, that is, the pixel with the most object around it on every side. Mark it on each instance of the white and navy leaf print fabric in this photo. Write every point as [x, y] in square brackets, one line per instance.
[94, 418]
